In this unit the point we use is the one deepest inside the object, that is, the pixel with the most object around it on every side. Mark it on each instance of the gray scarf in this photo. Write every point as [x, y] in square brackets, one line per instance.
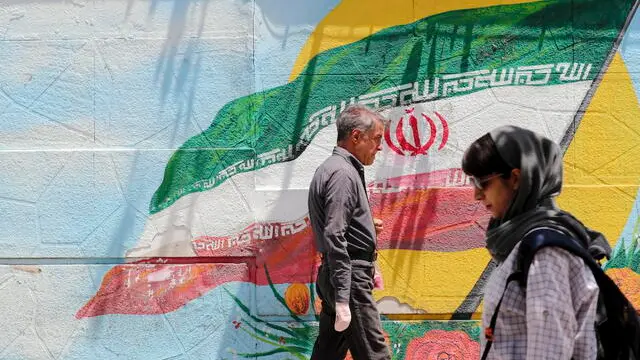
[540, 162]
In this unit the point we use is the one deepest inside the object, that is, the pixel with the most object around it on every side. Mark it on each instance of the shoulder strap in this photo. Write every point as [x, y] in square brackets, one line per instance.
[544, 237]
[489, 331]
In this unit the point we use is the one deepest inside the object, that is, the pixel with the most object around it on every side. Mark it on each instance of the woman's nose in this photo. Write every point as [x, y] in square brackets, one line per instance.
[477, 193]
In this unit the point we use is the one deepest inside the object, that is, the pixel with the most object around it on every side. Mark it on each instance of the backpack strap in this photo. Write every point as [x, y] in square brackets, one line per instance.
[489, 331]
[544, 237]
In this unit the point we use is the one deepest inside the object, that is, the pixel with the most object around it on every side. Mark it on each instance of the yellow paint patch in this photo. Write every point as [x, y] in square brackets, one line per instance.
[435, 282]
[602, 164]
[353, 20]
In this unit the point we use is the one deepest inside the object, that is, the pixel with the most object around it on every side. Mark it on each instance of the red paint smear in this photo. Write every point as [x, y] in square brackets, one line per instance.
[439, 219]
[158, 289]
[421, 217]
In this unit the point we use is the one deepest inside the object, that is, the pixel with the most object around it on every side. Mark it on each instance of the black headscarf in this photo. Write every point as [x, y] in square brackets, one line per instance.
[540, 162]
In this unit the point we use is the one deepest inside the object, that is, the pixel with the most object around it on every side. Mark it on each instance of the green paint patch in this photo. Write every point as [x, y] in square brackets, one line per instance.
[625, 256]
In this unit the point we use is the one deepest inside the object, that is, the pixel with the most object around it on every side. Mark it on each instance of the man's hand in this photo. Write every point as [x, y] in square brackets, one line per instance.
[377, 277]
[378, 224]
[343, 317]
[378, 284]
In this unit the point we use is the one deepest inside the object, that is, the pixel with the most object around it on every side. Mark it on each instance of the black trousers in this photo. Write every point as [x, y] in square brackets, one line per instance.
[364, 336]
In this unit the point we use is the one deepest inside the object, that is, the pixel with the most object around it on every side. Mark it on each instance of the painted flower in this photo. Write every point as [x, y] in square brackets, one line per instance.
[297, 297]
[443, 345]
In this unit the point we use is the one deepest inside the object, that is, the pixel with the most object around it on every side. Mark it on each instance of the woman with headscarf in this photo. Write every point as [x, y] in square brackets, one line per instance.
[517, 174]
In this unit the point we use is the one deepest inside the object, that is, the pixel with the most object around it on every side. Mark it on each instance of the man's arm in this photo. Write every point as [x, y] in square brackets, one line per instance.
[340, 202]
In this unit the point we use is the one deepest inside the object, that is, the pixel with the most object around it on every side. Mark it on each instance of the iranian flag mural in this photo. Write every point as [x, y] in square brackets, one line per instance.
[231, 207]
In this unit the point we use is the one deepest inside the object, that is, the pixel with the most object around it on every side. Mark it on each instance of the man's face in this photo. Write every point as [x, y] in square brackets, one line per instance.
[368, 143]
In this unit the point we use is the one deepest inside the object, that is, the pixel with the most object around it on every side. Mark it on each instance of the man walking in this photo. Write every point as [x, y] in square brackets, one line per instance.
[345, 234]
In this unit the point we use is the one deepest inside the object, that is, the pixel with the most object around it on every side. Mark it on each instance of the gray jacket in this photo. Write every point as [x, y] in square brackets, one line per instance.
[341, 217]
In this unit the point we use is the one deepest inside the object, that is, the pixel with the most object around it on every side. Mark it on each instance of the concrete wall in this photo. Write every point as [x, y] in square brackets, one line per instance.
[156, 157]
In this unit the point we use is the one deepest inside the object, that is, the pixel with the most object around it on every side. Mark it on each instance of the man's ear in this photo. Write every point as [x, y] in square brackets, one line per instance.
[356, 135]
[516, 177]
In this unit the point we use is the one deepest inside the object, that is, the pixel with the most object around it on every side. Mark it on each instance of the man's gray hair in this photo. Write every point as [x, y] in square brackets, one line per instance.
[357, 117]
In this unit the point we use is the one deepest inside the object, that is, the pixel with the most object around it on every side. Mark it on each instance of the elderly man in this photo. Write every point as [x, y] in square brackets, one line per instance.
[345, 234]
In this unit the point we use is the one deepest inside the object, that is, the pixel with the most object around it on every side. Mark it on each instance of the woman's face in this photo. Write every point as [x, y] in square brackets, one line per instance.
[495, 192]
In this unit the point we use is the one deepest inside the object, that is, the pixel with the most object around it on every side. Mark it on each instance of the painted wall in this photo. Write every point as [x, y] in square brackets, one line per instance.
[156, 157]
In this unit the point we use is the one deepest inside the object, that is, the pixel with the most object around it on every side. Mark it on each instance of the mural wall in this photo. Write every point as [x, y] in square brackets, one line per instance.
[157, 154]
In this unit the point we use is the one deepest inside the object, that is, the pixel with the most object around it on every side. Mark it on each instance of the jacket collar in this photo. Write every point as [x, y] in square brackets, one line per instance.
[342, 152]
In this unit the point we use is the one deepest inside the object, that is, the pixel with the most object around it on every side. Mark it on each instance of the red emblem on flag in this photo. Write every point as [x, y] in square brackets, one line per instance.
[405, 147]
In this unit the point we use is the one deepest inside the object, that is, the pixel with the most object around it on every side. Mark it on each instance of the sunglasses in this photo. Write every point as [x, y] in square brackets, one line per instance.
[479, 183]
